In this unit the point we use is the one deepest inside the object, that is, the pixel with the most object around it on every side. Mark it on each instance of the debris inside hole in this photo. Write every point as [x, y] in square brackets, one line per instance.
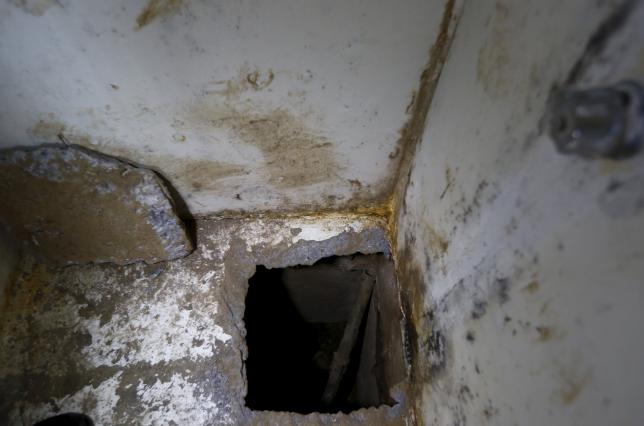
[324, 338]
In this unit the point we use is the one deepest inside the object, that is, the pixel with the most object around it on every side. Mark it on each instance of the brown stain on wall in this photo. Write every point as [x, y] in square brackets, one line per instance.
[54, 131]
[47, 130]
[294, 154]
[427, 348]
[412, 132]
[196, 174]
[409, 273]
[572, 388]
[203, 175]
[493, 59]
[532, 287]
[22, 300]
[35, 7]
[425, 345]
[155, 9]
[545, 333]
[436, 242]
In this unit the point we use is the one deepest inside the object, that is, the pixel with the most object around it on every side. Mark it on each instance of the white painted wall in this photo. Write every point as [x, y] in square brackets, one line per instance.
[174, 94]
[491, 205]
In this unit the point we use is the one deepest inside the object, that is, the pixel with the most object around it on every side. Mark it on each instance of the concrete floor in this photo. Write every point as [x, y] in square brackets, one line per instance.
[162, 343]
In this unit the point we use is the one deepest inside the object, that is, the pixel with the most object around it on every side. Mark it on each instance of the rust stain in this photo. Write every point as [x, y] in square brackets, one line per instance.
[22, 300]
[157, 8]
[545, 333]
[412, 130]
[573, 388]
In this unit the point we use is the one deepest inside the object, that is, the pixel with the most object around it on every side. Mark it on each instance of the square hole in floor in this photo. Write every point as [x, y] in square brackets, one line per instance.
[324, 338]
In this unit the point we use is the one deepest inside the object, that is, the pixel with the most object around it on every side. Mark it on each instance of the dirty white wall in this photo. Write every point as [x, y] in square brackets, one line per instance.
[249, 105]
[532, 262]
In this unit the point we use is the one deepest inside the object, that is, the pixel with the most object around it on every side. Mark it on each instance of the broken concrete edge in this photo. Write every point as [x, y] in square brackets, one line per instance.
[153, 194]
[382, 210]
[316, 237]
[170, 228]
[387, 414]
[103, 355]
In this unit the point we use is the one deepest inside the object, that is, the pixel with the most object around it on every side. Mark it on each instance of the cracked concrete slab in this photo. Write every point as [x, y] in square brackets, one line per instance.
[74, 205]
[157, 344]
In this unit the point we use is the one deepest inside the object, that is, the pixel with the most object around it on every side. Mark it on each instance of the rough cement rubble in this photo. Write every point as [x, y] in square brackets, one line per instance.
[73, 205]
[164, 343]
